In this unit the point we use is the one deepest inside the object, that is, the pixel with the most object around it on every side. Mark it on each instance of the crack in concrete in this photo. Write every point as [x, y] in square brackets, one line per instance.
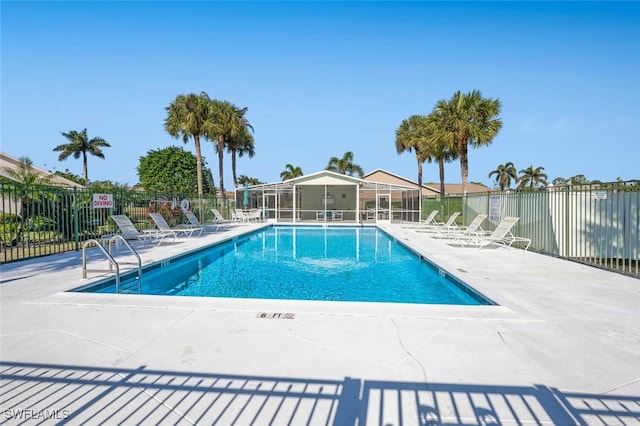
[409, 354]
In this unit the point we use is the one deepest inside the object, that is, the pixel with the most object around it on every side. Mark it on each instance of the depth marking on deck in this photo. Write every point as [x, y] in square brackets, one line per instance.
[275, 315]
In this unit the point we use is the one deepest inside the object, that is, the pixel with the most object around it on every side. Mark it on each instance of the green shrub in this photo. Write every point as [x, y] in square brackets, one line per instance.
[9, 225]
[40, 223]
[9, 218]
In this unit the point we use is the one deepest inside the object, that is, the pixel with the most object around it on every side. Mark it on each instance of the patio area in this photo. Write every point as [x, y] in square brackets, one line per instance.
[562, 347]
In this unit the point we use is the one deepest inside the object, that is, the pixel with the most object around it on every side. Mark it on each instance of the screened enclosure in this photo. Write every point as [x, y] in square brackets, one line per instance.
[329, 197]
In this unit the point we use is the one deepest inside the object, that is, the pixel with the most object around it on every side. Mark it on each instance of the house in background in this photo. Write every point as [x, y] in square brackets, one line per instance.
[327, 196]
[428, 189]
[12, 200]
[12, 163]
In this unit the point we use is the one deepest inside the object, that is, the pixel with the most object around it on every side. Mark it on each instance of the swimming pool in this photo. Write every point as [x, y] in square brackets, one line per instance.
[356, 264]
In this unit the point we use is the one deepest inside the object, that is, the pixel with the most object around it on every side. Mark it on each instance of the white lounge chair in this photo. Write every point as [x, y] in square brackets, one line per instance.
[502, 235]
[474, 228]
[195, 223]
[129, 231]
[429, 221]
[220, 220]
[449, 225]
[164, 227]
[475, 225]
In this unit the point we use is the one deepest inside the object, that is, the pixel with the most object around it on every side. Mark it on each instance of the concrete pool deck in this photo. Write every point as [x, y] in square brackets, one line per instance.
[562, 347]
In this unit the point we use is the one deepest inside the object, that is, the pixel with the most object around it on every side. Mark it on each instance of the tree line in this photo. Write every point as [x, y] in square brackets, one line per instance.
[189, 117]
[446, 133]
[466, 120]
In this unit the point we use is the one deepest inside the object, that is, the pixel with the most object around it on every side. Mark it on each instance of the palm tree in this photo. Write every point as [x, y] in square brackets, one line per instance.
[504, 174]
[410, 136]
[246, 180]
[531, 177]
[418, 133]
[579, 180]
[80, 144]
[291, 172]
[25, 175]
[441, 146]
[345, 165]
[240, 144]
[471, 120]
[188, 117]
[227, 121]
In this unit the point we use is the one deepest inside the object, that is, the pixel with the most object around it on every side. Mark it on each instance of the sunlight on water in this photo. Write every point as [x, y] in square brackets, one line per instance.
[340, 264]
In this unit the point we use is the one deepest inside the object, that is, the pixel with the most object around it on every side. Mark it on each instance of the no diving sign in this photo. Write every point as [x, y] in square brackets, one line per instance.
[102, 201]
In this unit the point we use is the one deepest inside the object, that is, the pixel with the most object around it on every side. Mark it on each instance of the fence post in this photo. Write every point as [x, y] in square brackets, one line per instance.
[76, 230]
[489, 205]
[567, 214]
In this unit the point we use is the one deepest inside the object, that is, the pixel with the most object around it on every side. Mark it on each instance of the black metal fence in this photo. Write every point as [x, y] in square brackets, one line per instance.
[38, 220]
[597, 224]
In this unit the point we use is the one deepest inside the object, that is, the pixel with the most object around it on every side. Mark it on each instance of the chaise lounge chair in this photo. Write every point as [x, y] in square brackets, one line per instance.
[195, 223]
[429, 221]
[473, 229]
[502, 235]
[163, 227]
[447, 226]
[220, 220]
[129, 231]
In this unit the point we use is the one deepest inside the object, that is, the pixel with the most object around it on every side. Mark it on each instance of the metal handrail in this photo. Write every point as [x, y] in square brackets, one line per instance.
[112, 261]
[131, 249]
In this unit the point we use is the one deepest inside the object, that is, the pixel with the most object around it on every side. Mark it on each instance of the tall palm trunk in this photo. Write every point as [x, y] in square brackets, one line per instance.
[85, 171]
[420, 179]
[221, 166]
[441, 166]
[464, 163]
[196, 141]
[419, 187]
[233, 168]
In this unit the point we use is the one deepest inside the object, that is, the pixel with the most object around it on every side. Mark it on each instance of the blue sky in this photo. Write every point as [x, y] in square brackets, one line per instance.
[323, 78]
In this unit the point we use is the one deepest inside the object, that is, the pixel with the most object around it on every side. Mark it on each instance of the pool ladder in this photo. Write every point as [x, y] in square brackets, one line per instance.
[112, 262]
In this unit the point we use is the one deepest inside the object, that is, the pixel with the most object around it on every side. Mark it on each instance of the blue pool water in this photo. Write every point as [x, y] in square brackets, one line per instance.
[307, 263]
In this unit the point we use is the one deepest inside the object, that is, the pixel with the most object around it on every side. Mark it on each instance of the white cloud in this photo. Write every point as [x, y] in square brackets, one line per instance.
[564, 125]
[527, 125]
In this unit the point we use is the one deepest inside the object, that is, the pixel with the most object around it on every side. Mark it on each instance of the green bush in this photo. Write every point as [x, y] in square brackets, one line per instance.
[40, 223]
[9, 224]
[8, 231]
[9, 218]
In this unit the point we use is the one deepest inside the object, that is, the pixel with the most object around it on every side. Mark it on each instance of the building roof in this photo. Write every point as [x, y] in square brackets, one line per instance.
[430, 188]
[12, 163]
[327, 177]
[456, 188]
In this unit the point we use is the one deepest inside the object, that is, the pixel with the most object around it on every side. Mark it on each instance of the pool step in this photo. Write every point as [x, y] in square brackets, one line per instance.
[131, 287]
